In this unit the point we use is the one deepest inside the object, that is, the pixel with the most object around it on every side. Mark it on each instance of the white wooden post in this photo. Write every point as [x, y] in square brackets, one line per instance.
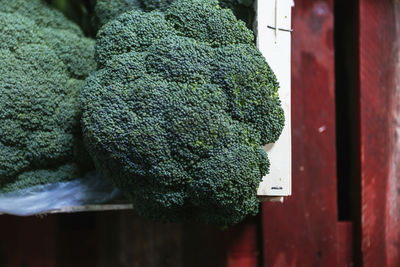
[273, 40]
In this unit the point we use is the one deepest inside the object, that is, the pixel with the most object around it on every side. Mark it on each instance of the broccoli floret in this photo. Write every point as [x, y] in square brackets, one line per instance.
[178, 110]
[44, 60]
[161, 5]
[107, 10]
[40, 14]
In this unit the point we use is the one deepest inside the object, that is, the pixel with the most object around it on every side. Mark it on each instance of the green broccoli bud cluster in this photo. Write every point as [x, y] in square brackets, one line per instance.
[107, 10]
[178, 111]
[44, 60]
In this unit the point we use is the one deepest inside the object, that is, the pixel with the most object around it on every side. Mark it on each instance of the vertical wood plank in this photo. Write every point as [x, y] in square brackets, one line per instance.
[302, 231]
[275, 47]
[146, 243]
[345, 244]
[27, 242]
[243, 250]
[76, 240]
[379, 110]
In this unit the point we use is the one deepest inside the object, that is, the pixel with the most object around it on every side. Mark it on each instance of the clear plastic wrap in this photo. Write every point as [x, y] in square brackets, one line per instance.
[88, 190]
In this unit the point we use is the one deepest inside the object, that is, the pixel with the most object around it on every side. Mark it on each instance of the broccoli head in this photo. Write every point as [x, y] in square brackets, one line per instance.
[44, 60]
[178, 110]
[107, 10]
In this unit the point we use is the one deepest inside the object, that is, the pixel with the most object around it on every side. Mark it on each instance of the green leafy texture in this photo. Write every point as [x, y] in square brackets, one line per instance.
[107, 10]
[43, 62]
[161, 5]
[178, 110]
[40, 14]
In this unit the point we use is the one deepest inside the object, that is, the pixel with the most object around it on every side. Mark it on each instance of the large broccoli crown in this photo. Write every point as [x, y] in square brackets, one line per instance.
[107, 10]
[178, 111]
[43, 61]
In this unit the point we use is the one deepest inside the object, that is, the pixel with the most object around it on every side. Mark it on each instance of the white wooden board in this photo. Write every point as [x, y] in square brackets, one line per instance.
[275, 44]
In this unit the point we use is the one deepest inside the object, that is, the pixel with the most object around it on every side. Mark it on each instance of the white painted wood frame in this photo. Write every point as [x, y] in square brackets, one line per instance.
[273, 30]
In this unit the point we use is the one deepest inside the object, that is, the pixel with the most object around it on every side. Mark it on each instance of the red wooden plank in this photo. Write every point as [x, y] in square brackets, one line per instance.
[243, 248]
[27, 242]
[345, 244]
[379, 23]
[302, 230]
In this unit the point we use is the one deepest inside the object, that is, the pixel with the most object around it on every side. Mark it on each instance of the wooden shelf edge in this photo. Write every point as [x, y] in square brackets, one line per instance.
[116, 207]
[271, 198]
[86, 208]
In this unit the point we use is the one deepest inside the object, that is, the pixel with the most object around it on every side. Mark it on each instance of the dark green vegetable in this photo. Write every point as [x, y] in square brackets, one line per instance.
[107, 10]
[79, 11]
[44, 60]
[178, 110]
